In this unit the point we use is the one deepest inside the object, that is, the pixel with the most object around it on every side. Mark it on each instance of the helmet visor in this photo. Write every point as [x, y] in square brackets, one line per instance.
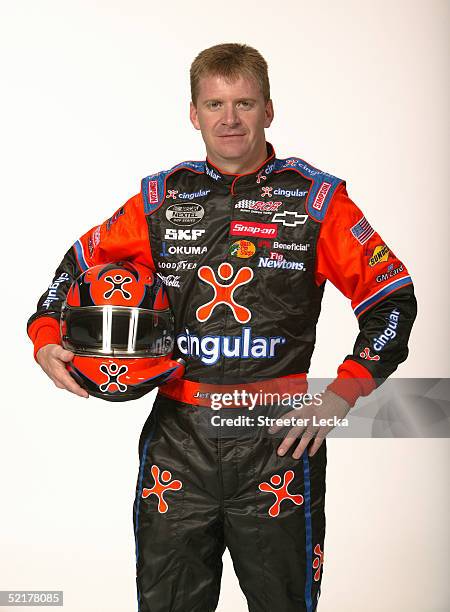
[117, 331]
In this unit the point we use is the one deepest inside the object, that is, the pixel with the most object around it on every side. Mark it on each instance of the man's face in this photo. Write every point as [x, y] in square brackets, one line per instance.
[232, 117]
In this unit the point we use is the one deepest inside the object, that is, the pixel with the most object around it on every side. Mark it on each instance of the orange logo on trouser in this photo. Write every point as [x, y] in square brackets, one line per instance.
[318, 562]
[223, 294]
[161, 486]
[281, 493]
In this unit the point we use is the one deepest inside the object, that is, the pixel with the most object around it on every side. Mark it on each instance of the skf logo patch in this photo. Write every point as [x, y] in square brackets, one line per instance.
[242, 249]
[153, 192]
[380, 253]
[321, 195]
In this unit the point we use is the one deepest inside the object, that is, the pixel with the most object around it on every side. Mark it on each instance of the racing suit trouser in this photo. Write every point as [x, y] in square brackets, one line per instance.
[203, 487]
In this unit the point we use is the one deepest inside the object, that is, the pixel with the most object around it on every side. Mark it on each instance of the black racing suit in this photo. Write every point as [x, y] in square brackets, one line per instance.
[244, 259]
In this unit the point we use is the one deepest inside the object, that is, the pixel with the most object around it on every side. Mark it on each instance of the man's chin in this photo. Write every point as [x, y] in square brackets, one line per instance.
[232, 148]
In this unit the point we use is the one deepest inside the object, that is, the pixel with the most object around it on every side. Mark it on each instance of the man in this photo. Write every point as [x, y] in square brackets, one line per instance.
[244, 243]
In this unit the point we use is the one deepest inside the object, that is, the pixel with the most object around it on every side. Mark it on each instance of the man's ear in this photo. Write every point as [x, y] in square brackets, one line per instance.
[269, 114]
[194, 116]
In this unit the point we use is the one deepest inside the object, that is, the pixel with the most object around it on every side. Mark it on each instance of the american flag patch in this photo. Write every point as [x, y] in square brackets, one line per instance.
[362, 231]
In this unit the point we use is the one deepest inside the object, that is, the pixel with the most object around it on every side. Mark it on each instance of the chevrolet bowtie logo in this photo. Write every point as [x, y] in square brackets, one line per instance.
[291, 219]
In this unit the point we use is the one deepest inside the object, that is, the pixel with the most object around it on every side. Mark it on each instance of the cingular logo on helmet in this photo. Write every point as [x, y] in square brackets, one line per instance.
[209, 349]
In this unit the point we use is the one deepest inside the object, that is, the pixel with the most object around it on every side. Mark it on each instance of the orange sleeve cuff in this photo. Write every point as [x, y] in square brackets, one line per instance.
[353, 381]
[43, 331]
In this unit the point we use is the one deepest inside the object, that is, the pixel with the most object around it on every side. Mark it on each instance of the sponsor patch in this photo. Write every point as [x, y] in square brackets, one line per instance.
[182, 250]
[362, 231]
[114, 218]
[259, 207]
[183, 234]
[365, 354]
[290, 219]
[210, 172]
[185, 214]
[153, 192]
[170, 280]
[390, 272]
[192, 195]
[224, 291]
[290, 193]
[176, 266]
[94, 240]
[242, 249]
[209, 349]
[244, 228]
[380, 253]
[277, 260]
[52, 294]
[292, 246]
[321, 195]
[389, 333]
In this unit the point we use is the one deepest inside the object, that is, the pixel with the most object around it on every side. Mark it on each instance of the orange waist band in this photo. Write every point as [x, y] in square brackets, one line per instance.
[270, 391]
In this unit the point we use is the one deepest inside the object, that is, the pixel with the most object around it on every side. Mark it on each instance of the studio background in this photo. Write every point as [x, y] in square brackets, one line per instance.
[94, 98]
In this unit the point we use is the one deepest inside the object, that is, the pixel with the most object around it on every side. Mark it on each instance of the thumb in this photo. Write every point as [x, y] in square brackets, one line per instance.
[65, 356]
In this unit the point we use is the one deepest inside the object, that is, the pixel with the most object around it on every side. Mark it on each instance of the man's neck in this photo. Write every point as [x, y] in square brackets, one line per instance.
[240, 166]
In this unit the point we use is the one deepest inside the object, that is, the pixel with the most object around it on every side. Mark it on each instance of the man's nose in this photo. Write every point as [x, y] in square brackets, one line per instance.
[230, 116]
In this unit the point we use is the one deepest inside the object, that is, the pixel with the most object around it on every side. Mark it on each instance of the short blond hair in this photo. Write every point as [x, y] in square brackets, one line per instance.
[230, 61]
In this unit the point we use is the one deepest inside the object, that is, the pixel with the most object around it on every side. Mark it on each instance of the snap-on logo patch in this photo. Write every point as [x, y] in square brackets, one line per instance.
[243, 228]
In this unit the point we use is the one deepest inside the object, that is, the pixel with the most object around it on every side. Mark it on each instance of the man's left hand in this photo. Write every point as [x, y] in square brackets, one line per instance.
[327, 407]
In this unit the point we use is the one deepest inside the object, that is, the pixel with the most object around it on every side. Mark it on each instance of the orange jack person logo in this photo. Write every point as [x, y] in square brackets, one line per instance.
[162, 484]
[117, 282]
[224, 293]
[113, 372]
[365, 354]
[281, 493]
[318, 562]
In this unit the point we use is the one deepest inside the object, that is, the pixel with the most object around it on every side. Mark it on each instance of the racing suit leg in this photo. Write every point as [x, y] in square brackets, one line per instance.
[275, 523]
[177, 515]
[201, 488]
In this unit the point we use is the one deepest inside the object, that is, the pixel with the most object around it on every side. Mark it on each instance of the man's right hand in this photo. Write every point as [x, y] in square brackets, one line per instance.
[53, 358]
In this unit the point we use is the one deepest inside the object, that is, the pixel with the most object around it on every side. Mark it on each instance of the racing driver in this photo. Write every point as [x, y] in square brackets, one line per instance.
[244, 242]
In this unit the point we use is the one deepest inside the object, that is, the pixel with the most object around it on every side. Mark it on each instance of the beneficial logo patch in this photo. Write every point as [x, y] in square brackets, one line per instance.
[185, 214]
[242, 249]
[380, 253]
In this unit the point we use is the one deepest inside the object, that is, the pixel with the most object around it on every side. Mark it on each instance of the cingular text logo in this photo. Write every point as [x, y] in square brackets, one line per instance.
[53, 288]
[209, 349]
